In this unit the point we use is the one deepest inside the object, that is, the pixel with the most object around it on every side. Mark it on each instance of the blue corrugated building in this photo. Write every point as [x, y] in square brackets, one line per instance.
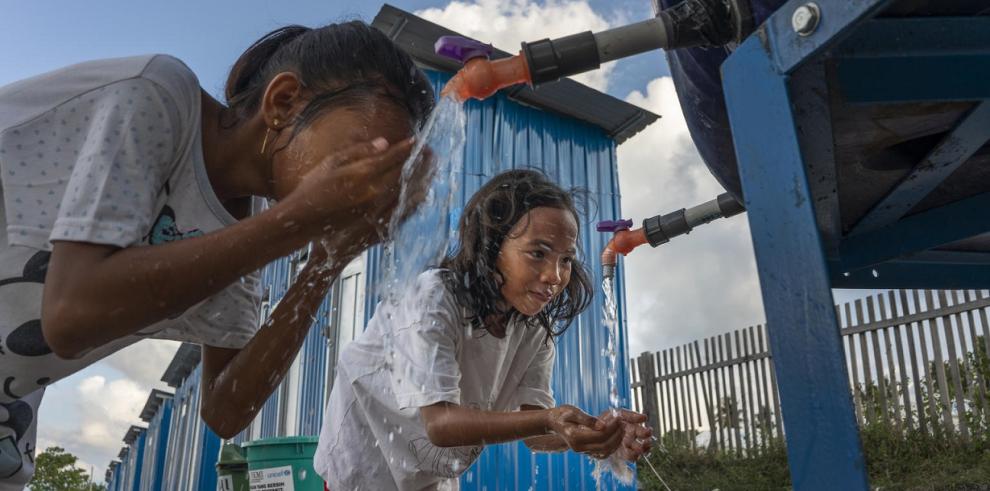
[568, 131]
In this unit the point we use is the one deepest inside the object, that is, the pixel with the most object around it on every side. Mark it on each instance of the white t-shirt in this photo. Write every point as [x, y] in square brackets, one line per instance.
[106, 152]
[419, 352]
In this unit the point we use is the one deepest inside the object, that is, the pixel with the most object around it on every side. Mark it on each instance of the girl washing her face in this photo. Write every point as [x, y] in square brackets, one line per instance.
[466, 356]
[130, 210]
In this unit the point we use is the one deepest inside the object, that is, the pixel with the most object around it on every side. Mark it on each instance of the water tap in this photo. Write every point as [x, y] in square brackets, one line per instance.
[480, 77]
[623, 242]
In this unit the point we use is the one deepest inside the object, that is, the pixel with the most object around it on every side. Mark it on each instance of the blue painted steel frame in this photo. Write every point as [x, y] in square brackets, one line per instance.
[823, 443]
[796, 278]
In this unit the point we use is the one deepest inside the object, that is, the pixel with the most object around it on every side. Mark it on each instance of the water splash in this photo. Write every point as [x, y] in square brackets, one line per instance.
[622, 471]
[418, 239]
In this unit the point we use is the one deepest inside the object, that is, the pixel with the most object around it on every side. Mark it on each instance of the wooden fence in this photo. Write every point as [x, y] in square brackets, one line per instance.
[917, 360]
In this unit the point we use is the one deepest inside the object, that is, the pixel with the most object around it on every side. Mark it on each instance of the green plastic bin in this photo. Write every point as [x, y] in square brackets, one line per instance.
[232, 469]
[283, 464]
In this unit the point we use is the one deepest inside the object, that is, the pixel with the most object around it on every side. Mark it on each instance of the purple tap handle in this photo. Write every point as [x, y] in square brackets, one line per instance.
[614, 225]
[461, 49]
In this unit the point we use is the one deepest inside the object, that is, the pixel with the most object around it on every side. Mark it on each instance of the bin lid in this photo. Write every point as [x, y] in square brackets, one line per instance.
[283, 440]
[231, 455]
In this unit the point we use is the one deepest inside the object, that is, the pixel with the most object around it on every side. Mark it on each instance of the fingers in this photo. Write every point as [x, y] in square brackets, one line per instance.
[577, 416]
[630, 416]
[361, 150]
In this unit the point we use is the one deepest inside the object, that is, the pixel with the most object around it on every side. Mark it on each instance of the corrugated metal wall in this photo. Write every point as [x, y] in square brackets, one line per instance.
[501, 135]
[192, 447]
[155, 447]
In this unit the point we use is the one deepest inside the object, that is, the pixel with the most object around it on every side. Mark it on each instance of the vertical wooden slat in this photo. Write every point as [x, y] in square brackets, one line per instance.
[757, 393]
[716, 376]
[854, 358]
[752, 385]
[912, 350]
[732, 387]
[745, 387]
[771, 407]
[965, 342]
[950, 344]
[978, 376]
[671, 394]
[647, 368]
[773, 389]
[869, 398]
[692, 386]
[685, 400]
[705, 393]
[634, 378]
[894, 402]
[878, 361]
[931, 382]
[727, 394]
[896, 330]
[943, 385]
[698, 396]
[712, 398]
[962, 339]
[664, 404]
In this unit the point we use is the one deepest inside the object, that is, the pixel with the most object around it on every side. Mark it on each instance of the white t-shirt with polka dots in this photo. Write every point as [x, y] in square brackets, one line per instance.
[106, 152]
[110, 152]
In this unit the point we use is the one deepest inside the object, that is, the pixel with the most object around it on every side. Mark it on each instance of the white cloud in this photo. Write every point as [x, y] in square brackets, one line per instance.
[505, 24]
[144, 362]
[102, 408]
[696, 285]
[105, 410]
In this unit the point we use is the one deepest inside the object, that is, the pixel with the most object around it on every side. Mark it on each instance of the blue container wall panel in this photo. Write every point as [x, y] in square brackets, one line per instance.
[503, 135]
[155, 446]
[190, 462]
[313, 368]
[268, 417]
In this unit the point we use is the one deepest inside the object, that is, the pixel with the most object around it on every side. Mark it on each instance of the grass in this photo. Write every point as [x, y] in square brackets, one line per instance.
[894, 461]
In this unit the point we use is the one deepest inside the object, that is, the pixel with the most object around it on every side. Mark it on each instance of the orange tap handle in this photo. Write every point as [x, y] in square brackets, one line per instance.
[623, 242]
[480, 77]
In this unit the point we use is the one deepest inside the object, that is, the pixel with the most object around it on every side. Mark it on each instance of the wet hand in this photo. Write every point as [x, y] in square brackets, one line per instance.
[357, 189]
[637, 437]
[584, 433]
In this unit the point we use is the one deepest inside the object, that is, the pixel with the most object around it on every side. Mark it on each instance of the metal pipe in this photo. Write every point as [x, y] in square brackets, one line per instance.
[630, 40]
[661, 228]
[690, 23]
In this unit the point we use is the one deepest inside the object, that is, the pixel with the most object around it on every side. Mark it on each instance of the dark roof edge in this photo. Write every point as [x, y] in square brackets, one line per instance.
[619, 119]
[184, 361]
[155, 400]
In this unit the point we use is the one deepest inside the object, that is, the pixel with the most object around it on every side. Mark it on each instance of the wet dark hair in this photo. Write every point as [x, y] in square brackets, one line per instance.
[341, 64]
[485, 223]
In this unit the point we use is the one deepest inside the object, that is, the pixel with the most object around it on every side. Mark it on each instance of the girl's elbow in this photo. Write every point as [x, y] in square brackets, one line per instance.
[60, 333]
[224, 427]
[438, 435]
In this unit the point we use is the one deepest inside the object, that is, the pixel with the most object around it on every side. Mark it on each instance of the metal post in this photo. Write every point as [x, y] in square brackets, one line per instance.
[823, 443]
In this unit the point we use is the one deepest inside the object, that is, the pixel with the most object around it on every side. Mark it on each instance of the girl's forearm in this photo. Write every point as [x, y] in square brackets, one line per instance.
[95, 294]
[234, 393]
[451, 425]
[547, 443]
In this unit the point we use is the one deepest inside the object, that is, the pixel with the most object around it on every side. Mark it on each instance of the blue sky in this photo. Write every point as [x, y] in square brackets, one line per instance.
[209, 36]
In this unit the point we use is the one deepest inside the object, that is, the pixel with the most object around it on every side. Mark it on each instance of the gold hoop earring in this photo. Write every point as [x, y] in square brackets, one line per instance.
[264, 142]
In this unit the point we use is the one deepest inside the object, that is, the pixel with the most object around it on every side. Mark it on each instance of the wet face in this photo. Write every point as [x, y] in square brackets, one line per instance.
[331, 132]
[535, 259]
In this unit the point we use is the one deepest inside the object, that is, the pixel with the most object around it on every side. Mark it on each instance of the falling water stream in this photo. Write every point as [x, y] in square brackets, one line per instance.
[619, 469]
[420, 239]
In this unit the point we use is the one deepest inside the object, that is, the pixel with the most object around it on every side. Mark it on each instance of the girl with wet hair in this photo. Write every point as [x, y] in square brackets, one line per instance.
[132, 209]
[465, 357]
